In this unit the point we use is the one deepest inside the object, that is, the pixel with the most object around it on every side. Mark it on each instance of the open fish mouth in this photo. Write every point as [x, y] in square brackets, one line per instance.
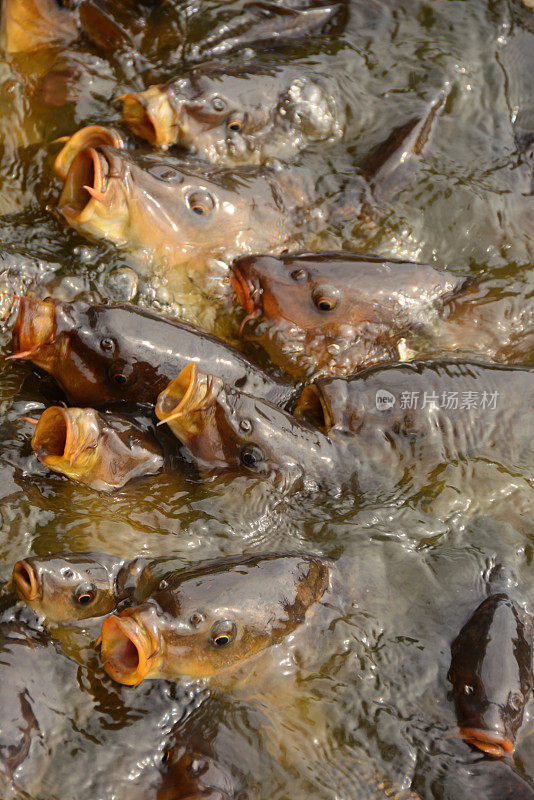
[26, 581]
[86, 186]
[91, 136]
[34, 327]
[494, 744]
[150, 115]
[248, 295]
[184, 403]
[312, 406]
[127, 649]
[53, 438]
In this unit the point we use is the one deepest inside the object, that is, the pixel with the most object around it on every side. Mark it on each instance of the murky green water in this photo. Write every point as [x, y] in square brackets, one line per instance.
[372, 685]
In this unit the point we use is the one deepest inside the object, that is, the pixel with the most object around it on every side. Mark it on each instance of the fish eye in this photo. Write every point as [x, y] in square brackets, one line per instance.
[516, 702]
[299, 275]
[166, 757]
[223, 633]
[108, 345]
[325, 298]
[251, 457]
[85, 594]
[122, 375]
[468, 689]
[218, 104]
[200, 202]
[235, 123]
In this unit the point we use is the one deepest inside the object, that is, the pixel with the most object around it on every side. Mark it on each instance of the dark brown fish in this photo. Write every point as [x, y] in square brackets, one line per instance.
[102, 450]
[236, 115]
[273, 23]
[102, 354]
[371, 428]
[329, 314]
[491, 674]
[181, 226]
[212, 617]
[30, 24]
[75, 586]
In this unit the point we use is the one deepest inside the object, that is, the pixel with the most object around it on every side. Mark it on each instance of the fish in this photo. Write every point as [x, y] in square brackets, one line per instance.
[329, 314]
[30, 24]
[180, 225]
[39, 683]
[106, 353]
[213, 617]
[224, 429]
[491, 674]
[236, 115]
[102, 450]
[273, 23]
[189, 773]
[66, 587]
[366, 431]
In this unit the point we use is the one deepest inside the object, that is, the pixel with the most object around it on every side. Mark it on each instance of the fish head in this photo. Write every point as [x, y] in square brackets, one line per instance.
[491, 675]
[96, 194]
[225, 429]
[67, 587]
[212, 110]
[233, 116]
[191, 775]
[331, 290]
[333, 313]
[213, 617]
[69, 440]
[84, 347]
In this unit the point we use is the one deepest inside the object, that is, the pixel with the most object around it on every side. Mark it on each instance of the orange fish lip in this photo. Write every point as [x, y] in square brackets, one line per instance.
[26, 580]
[34, 327]
[188, 395]
[248, 295]
[494, 744]
[127, 649]
[90, 136]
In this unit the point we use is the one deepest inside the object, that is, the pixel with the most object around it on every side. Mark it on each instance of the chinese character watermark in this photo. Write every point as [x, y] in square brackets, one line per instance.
[449, 401]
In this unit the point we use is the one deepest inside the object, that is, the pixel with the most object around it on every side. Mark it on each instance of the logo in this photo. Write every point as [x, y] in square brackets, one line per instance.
[384, 400]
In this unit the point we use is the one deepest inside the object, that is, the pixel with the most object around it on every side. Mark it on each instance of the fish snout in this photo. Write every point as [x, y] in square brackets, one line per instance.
[490, 732]
[248, 293]
[91, 136]
[127, 648]
[26, 581]
[186, 400]
[151, 116]
[34, 327]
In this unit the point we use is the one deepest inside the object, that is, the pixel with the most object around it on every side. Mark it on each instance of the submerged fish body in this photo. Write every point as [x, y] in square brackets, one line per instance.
[373, 427]
[105, 353]
[234, 116]
[491, 674]
[102, 450]
[329, 314]
[74, 586]
[180, 225]
[38, 684]
[213, 617]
